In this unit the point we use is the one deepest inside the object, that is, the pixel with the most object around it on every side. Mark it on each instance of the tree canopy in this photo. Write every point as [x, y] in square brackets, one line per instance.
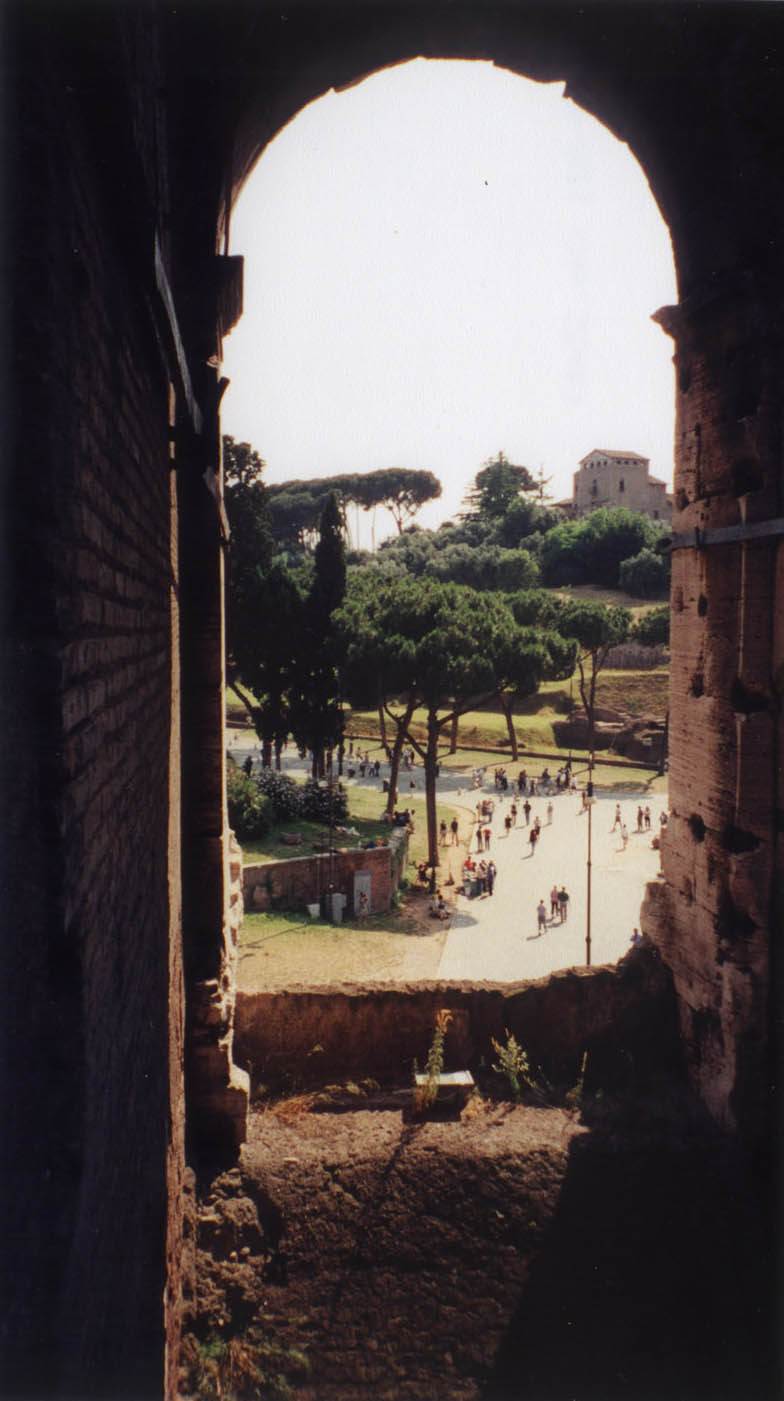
[444, 648]
[496, 486]
[296, 506]
[592, 549]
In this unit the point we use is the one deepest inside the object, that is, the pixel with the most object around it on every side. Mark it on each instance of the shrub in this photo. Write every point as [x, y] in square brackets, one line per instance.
[322, 804]
[284, 794]
[250, 812]
[645, 575]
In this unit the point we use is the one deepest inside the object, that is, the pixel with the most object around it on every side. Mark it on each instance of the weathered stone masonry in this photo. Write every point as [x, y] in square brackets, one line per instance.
[131, 126]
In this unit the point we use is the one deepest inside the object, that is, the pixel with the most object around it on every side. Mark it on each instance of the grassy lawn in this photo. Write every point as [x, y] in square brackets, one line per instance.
[365, 808]
[638, 692]
[615, 598]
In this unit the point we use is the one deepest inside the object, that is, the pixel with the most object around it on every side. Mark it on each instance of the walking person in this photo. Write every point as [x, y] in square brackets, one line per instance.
[479, 838]
[527, 811]
[563, 903]
[532, 840]
[640, 816]
[647, 819]
[491, 875]
[541, 917]
[624, 834]
[617, 820]
[549, 814]
[442, 832]
[487, 838]
[508, 823]
[453, 826]
[554, 907]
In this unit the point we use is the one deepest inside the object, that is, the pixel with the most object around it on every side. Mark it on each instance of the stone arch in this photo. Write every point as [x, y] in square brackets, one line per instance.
[727, 471]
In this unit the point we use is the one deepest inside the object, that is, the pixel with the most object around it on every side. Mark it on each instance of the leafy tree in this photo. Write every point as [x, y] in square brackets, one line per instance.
[535, 606]
[402, 490]
[497, 485]
[262, 601]
[652, 629]
[645, 575]
[441, 647]
[592, 549]
[250, 812]
[596, 628]
[267, 631]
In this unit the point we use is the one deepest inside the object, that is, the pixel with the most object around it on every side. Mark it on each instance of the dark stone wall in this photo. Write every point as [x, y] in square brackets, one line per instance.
[91, 1006]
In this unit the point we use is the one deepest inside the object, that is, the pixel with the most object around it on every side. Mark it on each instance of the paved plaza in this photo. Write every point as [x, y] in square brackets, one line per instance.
[496, 938]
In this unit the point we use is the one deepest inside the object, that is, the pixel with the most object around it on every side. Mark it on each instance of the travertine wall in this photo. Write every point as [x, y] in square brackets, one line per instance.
[716, 918]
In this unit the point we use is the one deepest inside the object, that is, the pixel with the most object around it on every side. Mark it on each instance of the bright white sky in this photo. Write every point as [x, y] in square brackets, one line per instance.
[444, 262]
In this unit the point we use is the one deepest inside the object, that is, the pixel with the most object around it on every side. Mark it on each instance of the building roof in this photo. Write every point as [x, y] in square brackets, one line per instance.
[613, 452]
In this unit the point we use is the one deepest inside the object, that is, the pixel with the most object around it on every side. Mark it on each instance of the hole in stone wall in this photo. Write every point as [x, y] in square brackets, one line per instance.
[682, 500]
[745, 701]
[737, 841]
[746, 476]
[698, 828]
[684, 378]
[698, 684]
[732, 924]
[702, 605]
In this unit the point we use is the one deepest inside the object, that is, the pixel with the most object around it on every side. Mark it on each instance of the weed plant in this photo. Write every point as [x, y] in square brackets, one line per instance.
[425, 1095]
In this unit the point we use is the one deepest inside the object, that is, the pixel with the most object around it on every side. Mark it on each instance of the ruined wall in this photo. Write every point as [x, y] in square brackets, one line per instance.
[619, 1016]
[716, 918]
[305, 879]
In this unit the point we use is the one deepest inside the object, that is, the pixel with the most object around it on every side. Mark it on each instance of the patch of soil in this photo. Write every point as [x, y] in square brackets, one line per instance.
[516, 1252]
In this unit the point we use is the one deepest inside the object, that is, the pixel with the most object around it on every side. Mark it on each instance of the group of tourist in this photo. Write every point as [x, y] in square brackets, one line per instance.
[559, 908]
[479, 877]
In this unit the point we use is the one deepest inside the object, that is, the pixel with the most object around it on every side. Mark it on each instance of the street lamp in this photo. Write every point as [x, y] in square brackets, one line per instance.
[590, 800]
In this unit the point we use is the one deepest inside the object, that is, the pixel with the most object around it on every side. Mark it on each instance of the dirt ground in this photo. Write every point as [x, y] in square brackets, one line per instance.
[514, 1252]
[350, 952]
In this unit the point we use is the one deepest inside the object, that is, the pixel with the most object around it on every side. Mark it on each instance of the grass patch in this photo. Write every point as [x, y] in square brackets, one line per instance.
[365, 809]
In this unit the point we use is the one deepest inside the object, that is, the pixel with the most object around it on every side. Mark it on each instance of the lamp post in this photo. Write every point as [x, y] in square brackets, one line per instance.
[590, 802]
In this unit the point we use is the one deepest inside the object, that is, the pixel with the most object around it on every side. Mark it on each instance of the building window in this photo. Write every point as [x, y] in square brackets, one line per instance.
[621, 485]
[594, 488]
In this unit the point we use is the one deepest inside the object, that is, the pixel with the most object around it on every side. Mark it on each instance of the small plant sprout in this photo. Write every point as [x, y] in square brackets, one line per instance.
[425, 1095]
[513, 1063]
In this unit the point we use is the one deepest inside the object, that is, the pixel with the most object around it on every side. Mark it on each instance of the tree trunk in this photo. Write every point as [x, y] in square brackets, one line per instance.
[453, 735]
[431, 766]
[506, 706]
[382, 724]
[266, 752]
[401, 727]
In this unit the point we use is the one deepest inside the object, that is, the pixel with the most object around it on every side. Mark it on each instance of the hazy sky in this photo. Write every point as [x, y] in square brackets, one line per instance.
[442, 262]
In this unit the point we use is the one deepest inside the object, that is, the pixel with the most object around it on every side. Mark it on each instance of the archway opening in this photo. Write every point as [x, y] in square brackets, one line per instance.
[444, 261]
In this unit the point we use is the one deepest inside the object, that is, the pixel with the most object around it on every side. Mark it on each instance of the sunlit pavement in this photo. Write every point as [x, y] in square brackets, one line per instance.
[495, 938]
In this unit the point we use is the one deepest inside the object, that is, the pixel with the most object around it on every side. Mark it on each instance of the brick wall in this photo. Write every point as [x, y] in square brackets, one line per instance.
[93, 977]
[303, 880]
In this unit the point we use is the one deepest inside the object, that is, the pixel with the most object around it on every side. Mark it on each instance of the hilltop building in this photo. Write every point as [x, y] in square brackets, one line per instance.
[609, 478]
